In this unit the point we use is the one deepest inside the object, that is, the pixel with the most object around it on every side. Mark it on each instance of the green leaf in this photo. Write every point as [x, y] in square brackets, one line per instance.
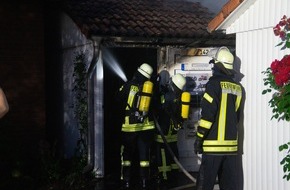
[281, 148]
[282, 162]
[284, 168]
[284, 47]
[288, 44]
[264, 92]
[279, 44]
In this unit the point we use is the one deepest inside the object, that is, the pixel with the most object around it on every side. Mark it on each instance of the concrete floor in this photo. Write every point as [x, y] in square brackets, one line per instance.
[182, 182]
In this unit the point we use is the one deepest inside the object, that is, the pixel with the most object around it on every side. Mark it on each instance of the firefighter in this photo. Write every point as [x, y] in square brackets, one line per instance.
[138, 127]
[217, 135]
[170, 121]
[4, 106]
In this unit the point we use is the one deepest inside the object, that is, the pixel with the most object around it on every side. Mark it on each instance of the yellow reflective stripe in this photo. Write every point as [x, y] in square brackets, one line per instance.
[144, 164]
[132, 93]
[136, 127]
[232, 88]
[127, 120]
[164, 168]
[208, 97]
[126, 163]
[238, 102]
[162, 99]
[199, 135]
[174, 166]
[169, 138]
[220, 149]
[205, 124]
[126, 127]
[222, 117]
[215, 142]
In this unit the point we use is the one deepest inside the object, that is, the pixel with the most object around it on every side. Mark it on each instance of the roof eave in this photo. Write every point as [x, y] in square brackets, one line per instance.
[229, 13]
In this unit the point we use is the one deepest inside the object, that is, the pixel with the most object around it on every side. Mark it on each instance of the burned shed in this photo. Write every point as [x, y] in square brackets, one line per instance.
[112, 35]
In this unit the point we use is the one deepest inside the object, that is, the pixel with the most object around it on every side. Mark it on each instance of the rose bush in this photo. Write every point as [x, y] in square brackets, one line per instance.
[278, 80]
[278, 75]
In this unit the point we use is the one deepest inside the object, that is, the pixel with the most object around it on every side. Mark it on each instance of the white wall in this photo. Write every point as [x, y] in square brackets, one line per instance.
[255, 47]
[73, 41]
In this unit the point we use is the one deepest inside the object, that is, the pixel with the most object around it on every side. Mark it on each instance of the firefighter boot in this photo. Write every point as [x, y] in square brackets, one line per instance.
[126, 178]
[144, 184]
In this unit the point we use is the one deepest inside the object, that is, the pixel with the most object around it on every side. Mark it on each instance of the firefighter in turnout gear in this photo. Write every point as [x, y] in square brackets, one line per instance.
[170, 120]
[137, 127]
[217, 133]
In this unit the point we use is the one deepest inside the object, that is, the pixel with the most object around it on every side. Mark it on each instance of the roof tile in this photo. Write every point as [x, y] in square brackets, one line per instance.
[130, 14]
[229, 7]
[156, 20]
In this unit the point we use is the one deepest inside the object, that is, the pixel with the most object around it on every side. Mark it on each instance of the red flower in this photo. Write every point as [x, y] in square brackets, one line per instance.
[277, 30]
[274, 66]
[282, 22]
[281, 70]
[282, 35]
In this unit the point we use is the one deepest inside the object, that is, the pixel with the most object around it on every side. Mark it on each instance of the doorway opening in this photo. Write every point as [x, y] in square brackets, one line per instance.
[119, 62]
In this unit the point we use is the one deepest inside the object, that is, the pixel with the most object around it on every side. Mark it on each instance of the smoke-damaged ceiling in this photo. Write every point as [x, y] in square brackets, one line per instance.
[146, 22]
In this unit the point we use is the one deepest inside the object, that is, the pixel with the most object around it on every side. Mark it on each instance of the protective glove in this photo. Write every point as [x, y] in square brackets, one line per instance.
[177, 127]
[198, 146]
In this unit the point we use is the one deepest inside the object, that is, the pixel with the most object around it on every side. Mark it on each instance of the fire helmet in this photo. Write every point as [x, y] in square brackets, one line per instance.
[224, 56]
[146, 70]
[179, 81]
[223, 59]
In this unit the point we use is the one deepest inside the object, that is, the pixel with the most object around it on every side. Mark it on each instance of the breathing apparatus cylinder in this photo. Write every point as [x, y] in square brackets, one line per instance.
[145, 97]
[185, 103]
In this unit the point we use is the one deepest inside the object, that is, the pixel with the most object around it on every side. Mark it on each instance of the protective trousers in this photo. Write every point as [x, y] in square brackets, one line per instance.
[136, 142]
[222, 166]
[166, 164]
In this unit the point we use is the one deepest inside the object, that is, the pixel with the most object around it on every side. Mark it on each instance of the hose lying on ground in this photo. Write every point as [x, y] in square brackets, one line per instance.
[171, 152]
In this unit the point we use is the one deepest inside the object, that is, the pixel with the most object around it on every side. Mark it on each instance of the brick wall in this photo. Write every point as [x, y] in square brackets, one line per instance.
[22, 77]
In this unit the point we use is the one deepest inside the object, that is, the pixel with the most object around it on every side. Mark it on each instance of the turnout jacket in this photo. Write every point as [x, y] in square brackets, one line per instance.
[220, 115]
[128, 93]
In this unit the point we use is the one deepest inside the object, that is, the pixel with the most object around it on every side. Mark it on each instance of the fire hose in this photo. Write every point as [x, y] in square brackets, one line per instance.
[174, 157]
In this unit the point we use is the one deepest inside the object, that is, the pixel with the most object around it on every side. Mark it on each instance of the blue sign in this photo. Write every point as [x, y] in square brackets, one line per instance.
[182, 66]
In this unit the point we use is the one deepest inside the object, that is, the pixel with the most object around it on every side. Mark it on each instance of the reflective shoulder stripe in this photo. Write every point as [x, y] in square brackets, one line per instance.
[208, 97]
[205, 124]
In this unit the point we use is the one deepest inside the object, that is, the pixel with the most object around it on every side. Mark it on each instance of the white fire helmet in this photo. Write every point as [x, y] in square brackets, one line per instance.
[223, 56]
[179, 81]
[146, 70]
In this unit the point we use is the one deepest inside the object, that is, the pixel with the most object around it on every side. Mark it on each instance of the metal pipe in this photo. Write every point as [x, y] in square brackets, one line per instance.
[90, 91]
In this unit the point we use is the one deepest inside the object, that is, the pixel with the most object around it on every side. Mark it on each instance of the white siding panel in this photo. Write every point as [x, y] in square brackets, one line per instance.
[262, 136]
[262, 14]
